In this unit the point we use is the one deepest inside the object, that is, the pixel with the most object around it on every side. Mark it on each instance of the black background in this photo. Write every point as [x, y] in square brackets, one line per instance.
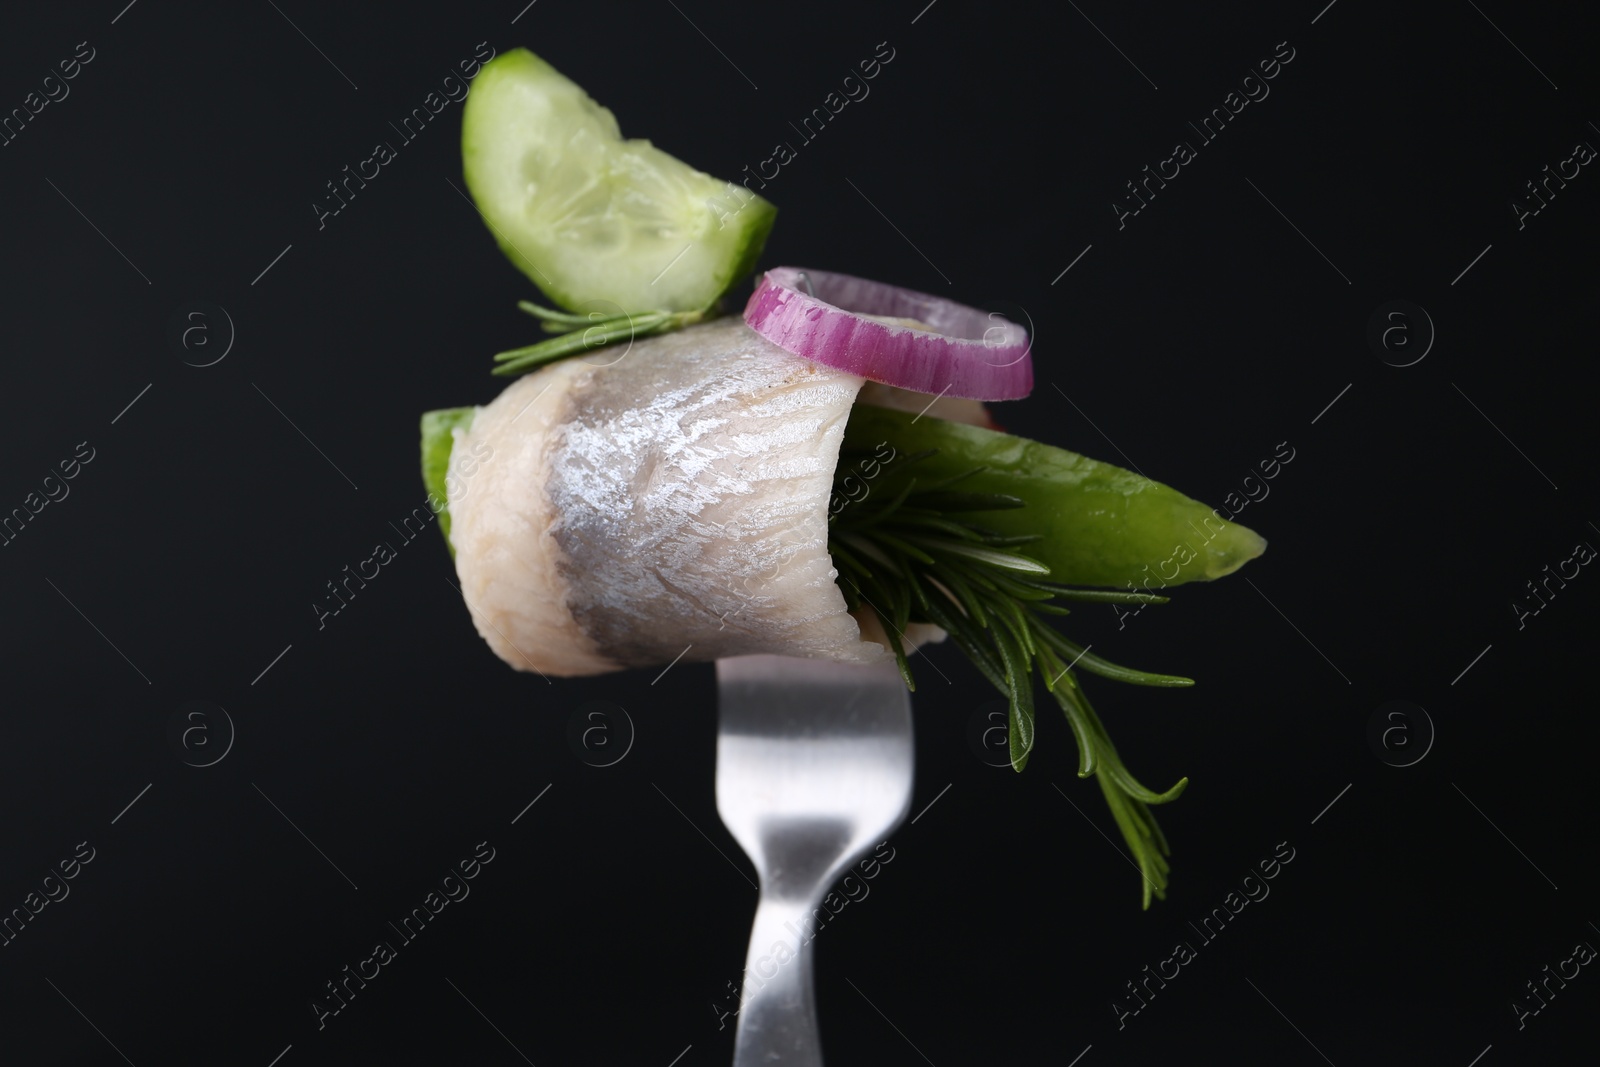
[1197, 338]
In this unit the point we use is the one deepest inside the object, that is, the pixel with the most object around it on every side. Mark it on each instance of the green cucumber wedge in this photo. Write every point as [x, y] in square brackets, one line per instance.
[1100, 525]
[599, 223]
[438, 441]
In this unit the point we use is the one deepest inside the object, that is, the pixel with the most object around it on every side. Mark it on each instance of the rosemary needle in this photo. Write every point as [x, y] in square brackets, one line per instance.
[912, 557]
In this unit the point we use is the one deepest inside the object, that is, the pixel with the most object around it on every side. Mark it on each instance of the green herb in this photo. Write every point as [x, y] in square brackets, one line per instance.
[586, 333]
[907, 559]
[961, 527]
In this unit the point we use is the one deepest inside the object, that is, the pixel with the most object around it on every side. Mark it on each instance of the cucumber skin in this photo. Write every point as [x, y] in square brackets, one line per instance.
[765, 213]
[437, 443]
[1102, 525]
[761, 213]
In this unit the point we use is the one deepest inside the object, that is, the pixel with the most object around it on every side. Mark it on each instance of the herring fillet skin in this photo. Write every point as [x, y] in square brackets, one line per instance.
[669, 502]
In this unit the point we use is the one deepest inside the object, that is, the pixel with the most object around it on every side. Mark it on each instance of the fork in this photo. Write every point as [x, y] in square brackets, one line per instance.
[814, 766]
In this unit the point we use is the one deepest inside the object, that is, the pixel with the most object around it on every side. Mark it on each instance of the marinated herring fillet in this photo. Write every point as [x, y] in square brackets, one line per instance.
[671, 503]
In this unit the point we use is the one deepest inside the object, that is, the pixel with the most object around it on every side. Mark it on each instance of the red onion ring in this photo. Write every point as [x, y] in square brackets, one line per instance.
[974, 354]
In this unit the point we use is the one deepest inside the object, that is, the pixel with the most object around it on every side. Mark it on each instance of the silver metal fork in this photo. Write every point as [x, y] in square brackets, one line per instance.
[814, 766]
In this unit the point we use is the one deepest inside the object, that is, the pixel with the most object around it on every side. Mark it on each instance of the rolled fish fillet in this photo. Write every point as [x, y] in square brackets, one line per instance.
[669, 504]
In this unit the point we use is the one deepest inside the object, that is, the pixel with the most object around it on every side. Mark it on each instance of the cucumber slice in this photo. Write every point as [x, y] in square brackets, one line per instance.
[1100, 525]
[599, 223]
[437, 443]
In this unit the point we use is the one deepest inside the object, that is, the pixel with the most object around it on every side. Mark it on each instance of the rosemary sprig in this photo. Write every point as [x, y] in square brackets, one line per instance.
[584, 333]
[913, 556]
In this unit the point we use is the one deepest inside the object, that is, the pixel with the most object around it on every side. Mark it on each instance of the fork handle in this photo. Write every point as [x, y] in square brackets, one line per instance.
[778, 1015]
